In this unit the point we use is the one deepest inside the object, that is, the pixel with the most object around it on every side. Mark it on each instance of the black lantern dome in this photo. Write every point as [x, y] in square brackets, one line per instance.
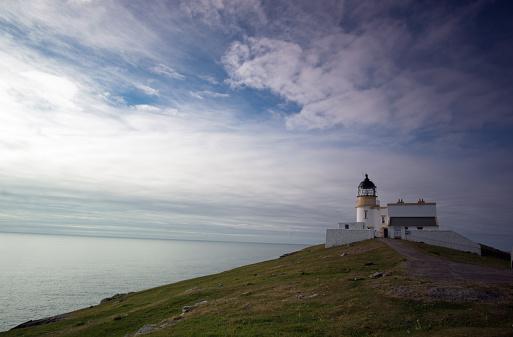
[366, 188]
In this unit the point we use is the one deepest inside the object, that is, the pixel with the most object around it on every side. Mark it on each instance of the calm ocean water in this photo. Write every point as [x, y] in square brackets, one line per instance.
[46, 275]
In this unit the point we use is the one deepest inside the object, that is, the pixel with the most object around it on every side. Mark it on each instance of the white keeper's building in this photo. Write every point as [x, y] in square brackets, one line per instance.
[401, 220]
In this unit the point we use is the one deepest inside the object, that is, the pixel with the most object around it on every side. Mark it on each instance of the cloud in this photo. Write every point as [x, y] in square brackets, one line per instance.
[325, 92]
[116, 100]
[195, 95]
[146, 107]
[146, 89]
[50, 91]
[63, 25]
[209, 79]
[203, 93]
[166, 71]
[225, 15]
[371, 75]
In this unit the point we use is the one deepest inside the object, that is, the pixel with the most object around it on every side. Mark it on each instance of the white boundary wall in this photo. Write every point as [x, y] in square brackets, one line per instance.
[442, 238]
[339, 237]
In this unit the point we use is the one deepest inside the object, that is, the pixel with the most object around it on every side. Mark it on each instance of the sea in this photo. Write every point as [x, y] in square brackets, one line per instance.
[47, 275]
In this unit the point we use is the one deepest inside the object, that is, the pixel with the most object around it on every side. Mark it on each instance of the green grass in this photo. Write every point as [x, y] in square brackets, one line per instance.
[263, 300]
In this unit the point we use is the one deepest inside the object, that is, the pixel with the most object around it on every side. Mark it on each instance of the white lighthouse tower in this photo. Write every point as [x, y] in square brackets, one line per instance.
[367, 206]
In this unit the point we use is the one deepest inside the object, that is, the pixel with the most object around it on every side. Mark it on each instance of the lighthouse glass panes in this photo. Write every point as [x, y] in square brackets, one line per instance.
[363, 192]
[366, 188]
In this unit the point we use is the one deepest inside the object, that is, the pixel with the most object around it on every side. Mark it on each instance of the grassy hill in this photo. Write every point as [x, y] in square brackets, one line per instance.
[314, 292]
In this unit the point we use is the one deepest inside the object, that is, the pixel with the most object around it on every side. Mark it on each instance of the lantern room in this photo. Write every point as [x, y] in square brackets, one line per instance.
[366, 188]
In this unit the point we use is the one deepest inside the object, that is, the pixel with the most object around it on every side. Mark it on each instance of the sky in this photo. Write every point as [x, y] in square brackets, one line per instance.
[253, 121]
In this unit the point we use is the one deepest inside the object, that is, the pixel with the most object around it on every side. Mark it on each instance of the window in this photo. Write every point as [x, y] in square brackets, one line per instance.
[365, 214]
[382, 219]
[347, 226]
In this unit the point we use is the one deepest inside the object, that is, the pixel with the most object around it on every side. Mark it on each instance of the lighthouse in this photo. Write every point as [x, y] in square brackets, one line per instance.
[367, 205]
[414, 221]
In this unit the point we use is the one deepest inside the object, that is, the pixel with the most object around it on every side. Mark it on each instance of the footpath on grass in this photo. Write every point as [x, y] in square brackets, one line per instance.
[420, 264]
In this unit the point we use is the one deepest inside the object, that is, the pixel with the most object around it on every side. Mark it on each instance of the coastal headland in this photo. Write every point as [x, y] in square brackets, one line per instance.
[364, 289]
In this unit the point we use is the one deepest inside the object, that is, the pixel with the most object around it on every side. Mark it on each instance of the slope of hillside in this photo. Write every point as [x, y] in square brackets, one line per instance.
[357, 290]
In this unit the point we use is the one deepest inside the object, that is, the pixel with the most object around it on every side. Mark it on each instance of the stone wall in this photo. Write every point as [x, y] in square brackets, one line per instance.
[339, 237]
[442, 238]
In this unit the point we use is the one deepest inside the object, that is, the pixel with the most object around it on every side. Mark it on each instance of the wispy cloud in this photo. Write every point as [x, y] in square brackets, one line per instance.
[169, 72]
[147, 89]
[146, 107]
[227, 16]
[203, 93]
[209, 79]
[64, 24]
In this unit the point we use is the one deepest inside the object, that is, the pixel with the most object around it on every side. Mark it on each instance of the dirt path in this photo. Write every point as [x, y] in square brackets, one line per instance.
[420, 264]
